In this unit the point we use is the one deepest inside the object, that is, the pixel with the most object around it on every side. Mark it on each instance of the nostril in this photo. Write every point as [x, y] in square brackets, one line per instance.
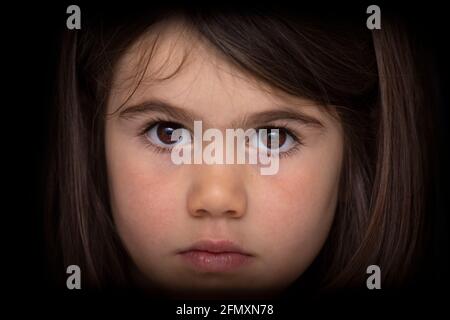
[231, 213]
[216, 196]
[227, 213]
[201, 212]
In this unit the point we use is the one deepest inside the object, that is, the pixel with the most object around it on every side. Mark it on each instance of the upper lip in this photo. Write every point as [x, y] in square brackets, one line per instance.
[215, 246]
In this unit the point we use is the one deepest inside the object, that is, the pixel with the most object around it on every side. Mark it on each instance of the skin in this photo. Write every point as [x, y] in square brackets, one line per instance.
[159, 208]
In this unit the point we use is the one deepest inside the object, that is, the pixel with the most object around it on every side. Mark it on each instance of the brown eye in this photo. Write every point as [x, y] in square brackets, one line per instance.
[265, 140]
[273, 134]
[161, 133]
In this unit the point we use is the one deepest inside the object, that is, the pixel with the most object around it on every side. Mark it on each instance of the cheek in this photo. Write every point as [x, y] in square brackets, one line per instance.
[143, 198]
[303, 204]
[299, 205]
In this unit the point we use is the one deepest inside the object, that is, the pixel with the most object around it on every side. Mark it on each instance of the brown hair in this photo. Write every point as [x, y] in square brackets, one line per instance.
[370, 78]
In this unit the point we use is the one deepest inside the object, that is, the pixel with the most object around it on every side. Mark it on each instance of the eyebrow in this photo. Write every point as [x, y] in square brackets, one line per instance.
[184, 116]
[161, 106]
[283, 114]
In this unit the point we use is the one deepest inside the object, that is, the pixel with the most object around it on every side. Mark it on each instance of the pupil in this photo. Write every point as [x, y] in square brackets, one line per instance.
[271, 134]
[165, 131]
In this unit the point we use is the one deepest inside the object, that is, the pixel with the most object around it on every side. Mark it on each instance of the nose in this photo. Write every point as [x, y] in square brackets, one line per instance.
[217, 191]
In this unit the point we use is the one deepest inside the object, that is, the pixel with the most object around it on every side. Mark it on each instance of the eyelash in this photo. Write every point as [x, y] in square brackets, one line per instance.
[143, 135]
[157, 149]
[297, 139]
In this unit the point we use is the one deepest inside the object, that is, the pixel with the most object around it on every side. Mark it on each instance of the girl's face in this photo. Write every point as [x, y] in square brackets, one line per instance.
[161, 209]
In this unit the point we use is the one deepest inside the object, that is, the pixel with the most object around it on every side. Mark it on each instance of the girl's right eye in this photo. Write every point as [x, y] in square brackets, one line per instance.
[161, 134]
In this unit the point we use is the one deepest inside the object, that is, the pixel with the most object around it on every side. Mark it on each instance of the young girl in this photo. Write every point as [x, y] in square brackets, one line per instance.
[345, 102]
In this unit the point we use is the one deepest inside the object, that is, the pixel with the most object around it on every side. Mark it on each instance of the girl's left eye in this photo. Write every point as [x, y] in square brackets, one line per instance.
[264, 139]
[161, 134]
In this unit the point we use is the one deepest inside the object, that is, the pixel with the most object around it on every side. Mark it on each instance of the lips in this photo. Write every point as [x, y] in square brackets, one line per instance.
[215, 256]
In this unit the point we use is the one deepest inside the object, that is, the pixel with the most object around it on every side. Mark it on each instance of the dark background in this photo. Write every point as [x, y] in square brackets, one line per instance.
[32, 39]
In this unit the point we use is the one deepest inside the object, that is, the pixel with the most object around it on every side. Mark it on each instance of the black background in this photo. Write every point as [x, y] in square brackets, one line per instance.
[31, 43]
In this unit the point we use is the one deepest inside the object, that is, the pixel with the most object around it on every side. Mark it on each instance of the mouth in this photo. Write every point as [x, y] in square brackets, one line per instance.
[215, 256]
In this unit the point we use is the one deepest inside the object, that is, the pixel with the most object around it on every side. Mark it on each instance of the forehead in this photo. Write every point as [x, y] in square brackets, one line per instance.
[173, 63]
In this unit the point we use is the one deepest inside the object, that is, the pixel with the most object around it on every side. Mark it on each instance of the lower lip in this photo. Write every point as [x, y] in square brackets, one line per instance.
[215, 262]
